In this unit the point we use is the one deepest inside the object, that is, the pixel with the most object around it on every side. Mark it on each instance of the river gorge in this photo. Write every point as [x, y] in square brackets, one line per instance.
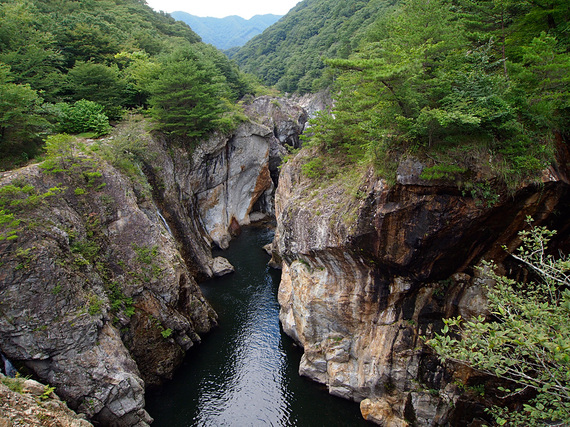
[246, 371]
[108, 294]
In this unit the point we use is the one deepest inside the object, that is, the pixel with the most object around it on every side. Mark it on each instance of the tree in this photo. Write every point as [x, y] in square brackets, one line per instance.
[87, 39]
[98, 83]
[527, 342]
[21, 120]
[544, 74]
[186, 98]
[31, 53]
[398, 74]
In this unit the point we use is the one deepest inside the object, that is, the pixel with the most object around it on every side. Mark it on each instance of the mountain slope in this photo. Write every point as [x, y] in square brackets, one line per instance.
[117, 53]
[227, 32]
[289, 54]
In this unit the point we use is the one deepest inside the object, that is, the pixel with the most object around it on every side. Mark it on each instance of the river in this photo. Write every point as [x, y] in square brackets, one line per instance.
[245, 372]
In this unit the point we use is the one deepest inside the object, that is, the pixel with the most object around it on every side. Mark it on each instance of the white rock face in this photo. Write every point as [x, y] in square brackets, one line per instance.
[232, 177]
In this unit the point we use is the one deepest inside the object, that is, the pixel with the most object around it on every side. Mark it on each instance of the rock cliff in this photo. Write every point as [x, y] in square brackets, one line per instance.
[29, 403]
[91, 283]
[101, 247]
[233, 178]
[369, 270]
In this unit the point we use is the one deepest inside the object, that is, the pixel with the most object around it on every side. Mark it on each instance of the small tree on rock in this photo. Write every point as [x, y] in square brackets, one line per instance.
[528, 342]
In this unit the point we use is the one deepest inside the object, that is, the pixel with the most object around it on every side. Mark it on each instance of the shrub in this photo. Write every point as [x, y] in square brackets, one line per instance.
[82, 116]
[527, 340]
[314, 168]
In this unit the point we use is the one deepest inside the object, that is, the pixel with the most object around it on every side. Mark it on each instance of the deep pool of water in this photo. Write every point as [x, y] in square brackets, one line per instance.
[245, 372]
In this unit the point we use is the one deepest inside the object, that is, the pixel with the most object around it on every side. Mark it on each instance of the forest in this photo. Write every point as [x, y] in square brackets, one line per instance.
[480, 89]
[291, 54]
[71, 66]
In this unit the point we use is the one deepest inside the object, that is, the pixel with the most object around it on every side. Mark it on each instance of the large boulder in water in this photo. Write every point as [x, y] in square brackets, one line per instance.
[221, 266]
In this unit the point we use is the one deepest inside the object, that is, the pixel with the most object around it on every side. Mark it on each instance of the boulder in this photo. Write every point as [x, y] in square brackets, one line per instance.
[221, 266]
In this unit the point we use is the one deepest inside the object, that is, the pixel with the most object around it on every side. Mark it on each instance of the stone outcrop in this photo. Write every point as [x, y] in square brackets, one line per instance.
[230, 177]
[366, 276]
[95, 296]
[29, 403]
[233, 178]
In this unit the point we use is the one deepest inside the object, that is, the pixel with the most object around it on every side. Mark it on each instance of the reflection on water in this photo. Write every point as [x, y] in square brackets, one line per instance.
[245, 372]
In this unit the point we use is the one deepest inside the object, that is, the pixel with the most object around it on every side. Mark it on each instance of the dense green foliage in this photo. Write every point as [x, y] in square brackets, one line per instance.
[228, 32]
[457, 80]
[528, 342]
[21, 117]
[81, 116]
[54, 54]
[290, 53]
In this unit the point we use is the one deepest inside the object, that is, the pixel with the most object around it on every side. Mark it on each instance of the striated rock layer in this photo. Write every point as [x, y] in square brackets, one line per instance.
[89, 287]
[366, 276]
[234, 178]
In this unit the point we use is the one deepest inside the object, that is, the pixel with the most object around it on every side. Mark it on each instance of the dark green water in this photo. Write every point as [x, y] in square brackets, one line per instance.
[245, 372]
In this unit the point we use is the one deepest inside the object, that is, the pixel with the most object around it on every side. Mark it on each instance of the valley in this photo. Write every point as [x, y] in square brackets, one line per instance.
[401, 162]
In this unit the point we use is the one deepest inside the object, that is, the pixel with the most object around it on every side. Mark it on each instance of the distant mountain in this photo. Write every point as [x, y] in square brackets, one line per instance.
[228, 32]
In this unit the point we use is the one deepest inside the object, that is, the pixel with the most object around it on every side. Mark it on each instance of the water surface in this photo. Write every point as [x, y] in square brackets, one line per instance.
[245, 372]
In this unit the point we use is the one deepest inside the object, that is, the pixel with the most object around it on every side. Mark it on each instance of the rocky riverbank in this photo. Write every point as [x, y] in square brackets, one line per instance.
[102, 247]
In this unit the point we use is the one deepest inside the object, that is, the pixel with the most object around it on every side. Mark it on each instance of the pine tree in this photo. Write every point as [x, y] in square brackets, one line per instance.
[186, 97]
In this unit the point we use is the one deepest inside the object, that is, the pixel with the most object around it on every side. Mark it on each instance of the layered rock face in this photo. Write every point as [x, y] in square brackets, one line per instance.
[94, 294]
[233, 177]
[366, 276]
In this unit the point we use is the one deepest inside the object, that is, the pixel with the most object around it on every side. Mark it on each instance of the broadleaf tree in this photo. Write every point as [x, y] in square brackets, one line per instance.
[527, 342]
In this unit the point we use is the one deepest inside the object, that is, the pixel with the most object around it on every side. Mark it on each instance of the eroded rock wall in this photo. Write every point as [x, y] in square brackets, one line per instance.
[98, 292]
[233, 177]
[366, 276]
[95, 297]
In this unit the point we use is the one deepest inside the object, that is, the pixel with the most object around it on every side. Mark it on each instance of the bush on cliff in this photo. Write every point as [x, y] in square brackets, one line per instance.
[528, 342]
[82, 116]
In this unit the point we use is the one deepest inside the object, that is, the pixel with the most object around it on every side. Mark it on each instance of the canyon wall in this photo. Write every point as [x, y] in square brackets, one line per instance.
[368, 270]
[95, 297]
[234, 178]
[101, 248]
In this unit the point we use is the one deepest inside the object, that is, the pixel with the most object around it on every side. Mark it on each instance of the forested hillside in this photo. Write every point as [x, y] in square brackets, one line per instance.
[69, 66]
[480, 90]
[228, 32]
[290, 53]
